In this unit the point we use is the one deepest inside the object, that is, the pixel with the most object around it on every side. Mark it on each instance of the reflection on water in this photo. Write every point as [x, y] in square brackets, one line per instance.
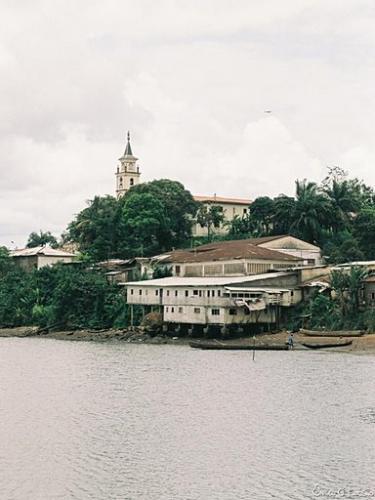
[95, 421]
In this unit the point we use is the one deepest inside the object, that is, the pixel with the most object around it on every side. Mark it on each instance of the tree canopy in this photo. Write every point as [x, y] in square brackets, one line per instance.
[151, 218]
[210, 216]
[338, 215]
[41, 239]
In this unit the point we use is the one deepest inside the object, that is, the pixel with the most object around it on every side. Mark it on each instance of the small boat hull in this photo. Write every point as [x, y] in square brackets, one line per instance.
[238, 347]
[337, 333]
[325, 345]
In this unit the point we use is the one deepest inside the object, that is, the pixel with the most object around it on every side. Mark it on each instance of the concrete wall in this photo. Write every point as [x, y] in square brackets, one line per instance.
[298, 248]
[204, 315]
[234, 267]
[37, 261]
[309, 273]
[44, 260]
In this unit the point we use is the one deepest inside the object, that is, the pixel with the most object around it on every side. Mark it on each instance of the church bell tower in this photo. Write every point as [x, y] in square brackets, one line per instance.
[127, 174]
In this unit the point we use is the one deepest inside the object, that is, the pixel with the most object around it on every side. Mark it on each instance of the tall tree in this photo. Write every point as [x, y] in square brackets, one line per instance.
[210, 216]
[345, 202]
[142, 226]
[364, 231]
[179, 209]
[312, 212]
[262, 211]
[284, 207]
[40, 239]
[94, 228]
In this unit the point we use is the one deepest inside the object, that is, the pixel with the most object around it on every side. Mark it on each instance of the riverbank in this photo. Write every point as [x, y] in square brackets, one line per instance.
[136, 335]
[364, 344]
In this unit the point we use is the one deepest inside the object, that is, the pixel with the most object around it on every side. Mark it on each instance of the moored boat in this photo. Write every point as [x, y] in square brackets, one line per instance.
[324, 345]
[333, 333]
[238, 347]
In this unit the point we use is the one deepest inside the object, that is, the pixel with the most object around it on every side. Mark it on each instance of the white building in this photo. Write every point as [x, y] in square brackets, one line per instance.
[37, 257]
[218, 301]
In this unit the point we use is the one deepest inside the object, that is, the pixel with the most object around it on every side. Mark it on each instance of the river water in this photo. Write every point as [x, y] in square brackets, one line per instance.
[122, 421]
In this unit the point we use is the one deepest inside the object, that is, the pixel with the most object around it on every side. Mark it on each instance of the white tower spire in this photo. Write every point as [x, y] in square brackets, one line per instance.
[127, 174]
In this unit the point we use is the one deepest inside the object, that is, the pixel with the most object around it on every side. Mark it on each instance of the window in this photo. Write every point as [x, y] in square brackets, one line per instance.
[213, 293]
[167, 293]
[215, 312]
[200, 293]
[291, 293]
[195, 292]
[176, 293]
[172, 309]
[180, 310]
[245, 211]
[131, 291]
[197, 310]
[219, 293]
[232, 312]
[166, 309]
[208, 293]
[186, 293]
[177, 270]
[132, 182]
[156, 292]
[372, 295]
[140, 291]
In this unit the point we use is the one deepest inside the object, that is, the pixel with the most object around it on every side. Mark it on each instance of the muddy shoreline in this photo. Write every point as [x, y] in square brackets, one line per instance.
[364, 344]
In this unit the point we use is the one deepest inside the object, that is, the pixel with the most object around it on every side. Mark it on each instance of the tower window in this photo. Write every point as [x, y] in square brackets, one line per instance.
[132, 182]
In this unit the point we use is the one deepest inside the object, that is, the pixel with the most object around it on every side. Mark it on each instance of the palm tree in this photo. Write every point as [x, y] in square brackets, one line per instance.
[344, 202]
[284, 207]
[312, 211]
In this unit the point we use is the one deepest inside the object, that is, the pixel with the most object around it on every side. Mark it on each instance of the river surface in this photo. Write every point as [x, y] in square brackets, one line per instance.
[122, 421]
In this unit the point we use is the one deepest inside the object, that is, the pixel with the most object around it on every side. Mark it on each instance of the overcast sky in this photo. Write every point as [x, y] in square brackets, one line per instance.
[192, 81]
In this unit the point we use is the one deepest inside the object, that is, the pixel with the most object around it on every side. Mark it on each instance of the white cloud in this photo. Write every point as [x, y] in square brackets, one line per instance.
[191, 80]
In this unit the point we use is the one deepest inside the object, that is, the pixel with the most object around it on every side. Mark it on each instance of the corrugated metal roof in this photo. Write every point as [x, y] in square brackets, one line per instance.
[221, 199]
[205, 281]
[41, 250]
[357, 263]
[257, 289]
[226, 250]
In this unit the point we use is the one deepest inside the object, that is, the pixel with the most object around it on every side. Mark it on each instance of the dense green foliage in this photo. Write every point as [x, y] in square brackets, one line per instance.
[339, 307]
[94, 228]
[40, 239]
[62, 296]
[151, 218]
[338, 215]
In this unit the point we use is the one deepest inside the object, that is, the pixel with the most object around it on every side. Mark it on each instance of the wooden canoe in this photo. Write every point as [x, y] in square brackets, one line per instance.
[238, 347]
[334, 333]
[324, 345]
